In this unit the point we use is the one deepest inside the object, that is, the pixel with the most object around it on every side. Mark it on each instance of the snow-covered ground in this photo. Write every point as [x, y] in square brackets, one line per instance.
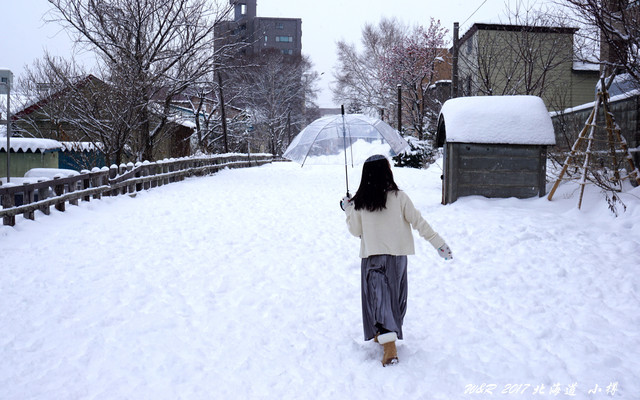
[245, 285]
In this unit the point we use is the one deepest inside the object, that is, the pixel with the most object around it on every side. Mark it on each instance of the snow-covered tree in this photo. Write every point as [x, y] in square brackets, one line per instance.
[411, 63]
[276, 90]
[360, 74]
[618, 24]
[150, 50]
[61, 100]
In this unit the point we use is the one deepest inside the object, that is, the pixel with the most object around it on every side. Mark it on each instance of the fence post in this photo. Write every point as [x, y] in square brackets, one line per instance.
[172, 168]
[131, 187]
[113, 172]
[121, 171]
[72, 188]
[58, 189]
[86, 184]
[96, 181]
[8, 201]
[186, 165]
[150, 169]
[138, 174]
[43, 193]
[27, 198]
[165, 169]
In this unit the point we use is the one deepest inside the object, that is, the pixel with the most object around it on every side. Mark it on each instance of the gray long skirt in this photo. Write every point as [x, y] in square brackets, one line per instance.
[384, 294]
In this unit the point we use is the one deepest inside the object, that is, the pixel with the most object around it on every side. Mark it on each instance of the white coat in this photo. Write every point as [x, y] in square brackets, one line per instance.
[388, 231]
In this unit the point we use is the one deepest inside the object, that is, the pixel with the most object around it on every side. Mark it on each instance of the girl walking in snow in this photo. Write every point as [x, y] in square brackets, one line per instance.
[382, 216]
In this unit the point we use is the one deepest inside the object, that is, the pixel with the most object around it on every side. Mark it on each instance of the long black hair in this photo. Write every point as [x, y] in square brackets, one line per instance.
[377, 180]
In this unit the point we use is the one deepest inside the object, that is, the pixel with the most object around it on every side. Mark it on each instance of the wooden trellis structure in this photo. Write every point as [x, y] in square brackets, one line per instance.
[586, 147]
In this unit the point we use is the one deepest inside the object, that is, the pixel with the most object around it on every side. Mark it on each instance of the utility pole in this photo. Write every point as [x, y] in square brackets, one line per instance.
[223, 115]
[399, 109]
[454, 73]
[6, 78]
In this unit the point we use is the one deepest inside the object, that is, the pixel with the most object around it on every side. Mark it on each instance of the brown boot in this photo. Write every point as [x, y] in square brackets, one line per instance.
[388, 342]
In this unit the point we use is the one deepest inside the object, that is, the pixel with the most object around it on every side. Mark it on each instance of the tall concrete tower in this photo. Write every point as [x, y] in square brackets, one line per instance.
[244, 9]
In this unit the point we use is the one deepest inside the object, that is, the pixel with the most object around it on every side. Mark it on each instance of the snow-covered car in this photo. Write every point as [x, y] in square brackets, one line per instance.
[50, 173]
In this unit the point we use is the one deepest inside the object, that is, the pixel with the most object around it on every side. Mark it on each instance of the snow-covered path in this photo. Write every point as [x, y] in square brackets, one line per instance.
[245, 285]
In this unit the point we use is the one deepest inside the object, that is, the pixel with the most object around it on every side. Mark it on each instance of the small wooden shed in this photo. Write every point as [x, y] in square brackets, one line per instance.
[494, 146]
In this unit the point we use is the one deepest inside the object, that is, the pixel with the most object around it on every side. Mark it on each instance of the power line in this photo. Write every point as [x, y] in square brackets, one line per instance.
[465, 21]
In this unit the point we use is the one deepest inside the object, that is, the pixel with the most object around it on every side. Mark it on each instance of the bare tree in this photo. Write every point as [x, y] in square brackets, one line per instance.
[360, 74]
[62, 101]
[151, 50]
[220, 127]
[277, 90]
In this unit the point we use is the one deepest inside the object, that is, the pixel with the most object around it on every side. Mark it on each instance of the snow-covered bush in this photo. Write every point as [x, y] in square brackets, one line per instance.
[419, 154]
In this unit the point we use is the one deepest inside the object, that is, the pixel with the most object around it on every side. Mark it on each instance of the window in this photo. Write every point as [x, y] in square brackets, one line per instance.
[5, 80]
[286, 51]
[288, 39]
[243, 9]
[279, 25]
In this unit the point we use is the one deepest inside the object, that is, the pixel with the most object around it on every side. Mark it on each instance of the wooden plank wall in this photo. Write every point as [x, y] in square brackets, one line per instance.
[494, 170]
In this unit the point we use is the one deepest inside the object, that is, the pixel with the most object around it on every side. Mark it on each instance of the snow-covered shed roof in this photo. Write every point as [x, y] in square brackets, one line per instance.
[81, 146]
[497, 119]
[30, 144]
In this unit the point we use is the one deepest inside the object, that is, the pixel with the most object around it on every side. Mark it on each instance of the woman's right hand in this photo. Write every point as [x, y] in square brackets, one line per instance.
[346, 203]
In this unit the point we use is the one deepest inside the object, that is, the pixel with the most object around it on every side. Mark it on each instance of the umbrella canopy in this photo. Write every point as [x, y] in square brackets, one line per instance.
[326, 140]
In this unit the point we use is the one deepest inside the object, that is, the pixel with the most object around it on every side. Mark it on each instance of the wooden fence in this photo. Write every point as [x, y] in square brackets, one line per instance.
[125, 179]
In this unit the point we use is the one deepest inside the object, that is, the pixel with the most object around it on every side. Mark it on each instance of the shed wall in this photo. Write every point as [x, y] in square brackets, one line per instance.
[22, 162]
[79, 160]
[494, 170]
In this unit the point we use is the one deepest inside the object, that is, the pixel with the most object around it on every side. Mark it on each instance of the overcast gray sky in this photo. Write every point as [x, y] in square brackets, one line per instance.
[24, 35]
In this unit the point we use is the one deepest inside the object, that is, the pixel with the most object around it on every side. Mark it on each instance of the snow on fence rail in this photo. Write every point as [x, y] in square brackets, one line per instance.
[111, 182]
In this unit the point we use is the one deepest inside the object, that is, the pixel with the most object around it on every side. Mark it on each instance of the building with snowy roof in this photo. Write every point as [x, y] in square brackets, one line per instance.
[67, 113]
[28, 153]
[494, 146]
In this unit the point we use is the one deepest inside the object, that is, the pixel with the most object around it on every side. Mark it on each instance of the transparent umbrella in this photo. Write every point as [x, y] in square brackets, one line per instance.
[344, 138]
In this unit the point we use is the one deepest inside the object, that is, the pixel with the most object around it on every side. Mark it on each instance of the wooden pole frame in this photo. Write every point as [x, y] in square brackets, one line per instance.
[602, 99]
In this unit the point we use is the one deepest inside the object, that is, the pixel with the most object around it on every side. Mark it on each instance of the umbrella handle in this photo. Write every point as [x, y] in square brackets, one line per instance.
[346, 177]
[344, 139]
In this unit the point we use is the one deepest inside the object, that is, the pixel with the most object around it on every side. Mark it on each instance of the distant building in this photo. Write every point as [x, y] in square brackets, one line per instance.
[62, 114]
[492, 62]
[323, 112]
[261, 33]
[28, 153]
